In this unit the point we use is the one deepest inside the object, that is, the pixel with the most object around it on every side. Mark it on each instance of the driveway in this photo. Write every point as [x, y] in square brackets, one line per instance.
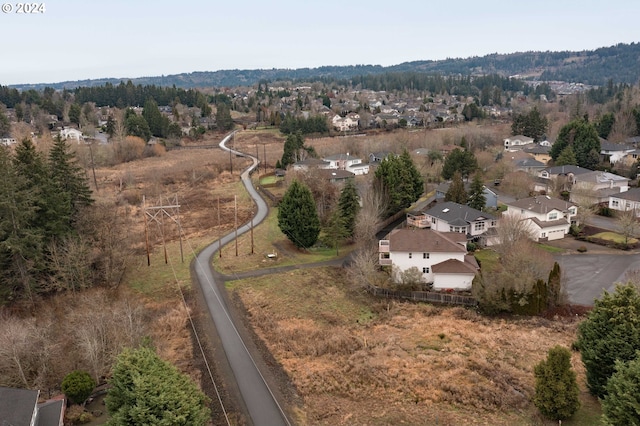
[586, 275]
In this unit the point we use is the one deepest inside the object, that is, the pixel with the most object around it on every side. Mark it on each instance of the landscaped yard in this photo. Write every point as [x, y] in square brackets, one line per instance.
[614, 237]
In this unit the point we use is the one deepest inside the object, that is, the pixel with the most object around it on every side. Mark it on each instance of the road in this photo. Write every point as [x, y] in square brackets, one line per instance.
[258, 398]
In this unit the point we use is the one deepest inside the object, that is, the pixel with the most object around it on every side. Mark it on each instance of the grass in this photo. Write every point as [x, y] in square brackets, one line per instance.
[487, 258]
[550, 249]
[615, 237]
[589, 414]
[268, 180]
[268, 239]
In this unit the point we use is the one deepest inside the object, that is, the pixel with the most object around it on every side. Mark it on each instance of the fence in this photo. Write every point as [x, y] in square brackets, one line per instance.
[423, 296]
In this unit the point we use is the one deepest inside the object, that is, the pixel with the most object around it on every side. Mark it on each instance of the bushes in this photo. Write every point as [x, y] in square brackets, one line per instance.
[77, 386]
[557, 392]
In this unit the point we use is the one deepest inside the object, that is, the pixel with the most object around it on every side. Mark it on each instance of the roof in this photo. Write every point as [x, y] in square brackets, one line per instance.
[335, 174]
[538, 149]
[51, 412]
[423, 240]
[453, 266]
[541, 204]
[530, 162]
[601, 177]
[338, 157]
[311, 162]
[610, 146]
[519, 137]
[17, 406]
[632, 195]
[549, 223]
[566, 169]
[450, 211]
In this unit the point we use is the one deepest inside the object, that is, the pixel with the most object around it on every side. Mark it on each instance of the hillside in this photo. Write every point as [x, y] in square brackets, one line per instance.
[596, 67]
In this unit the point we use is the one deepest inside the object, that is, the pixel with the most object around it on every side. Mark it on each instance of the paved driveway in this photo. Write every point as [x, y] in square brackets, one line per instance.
[587, 275]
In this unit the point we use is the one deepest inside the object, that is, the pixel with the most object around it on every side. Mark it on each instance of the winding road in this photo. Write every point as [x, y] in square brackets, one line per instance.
[258, 398]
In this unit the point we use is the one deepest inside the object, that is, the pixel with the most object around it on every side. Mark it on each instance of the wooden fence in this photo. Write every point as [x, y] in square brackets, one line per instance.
[424, 296]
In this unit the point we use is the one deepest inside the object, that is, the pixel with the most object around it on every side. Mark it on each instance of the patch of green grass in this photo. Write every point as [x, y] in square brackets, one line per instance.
[487, 258]
[267, 180]
[615, 237]
[589, 414]
[550, 249]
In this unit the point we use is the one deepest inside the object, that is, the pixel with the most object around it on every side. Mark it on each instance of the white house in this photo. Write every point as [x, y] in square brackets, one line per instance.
[71, 134]
[7, 141]
[548, 218]
[625, 201]
[598, 186]
[614, 151]
[517, 142]
[348, 122]
[347, 162]
[454, 217]
[441, 256]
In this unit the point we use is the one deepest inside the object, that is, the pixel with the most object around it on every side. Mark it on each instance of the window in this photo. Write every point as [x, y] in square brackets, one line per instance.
[493, 223]
[425, 270]
[425, 255]
[479, 226]
[544, 234]
[615, 203]
[451, 228]
[410, 255]
[433, 220]
[553, 216]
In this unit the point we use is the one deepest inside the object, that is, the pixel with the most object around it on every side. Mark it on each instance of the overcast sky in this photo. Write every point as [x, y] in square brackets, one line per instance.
[82, 39]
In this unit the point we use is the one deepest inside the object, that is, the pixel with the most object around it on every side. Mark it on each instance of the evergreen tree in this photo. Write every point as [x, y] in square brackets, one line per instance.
[336, 230]
[583, 139]
[292, 148]
[566, 157]
[69, 182]
[74, 113]
[136, 125]
[298, 217]
[158, 123]
[349, 207]
[557, 392]
[477, 199]
[456, 192]
[621, 405]
[459, 160]
[611, 332]
[416, 179]
[605, 124]
[396, 183]
[77, 386]
[532, 124]
[147, 390]
[224, 122]
[5, 125]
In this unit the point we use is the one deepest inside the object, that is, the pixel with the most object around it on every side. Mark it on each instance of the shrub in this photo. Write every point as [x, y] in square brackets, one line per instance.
[620, 405]
[582, 249]
[557, 392]
[77, 386]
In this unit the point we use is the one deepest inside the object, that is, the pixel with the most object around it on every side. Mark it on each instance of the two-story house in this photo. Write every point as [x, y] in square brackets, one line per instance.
[21, 407]
[626, 201]
[454, 217]
[491, 198]
[517, 142]
[441, 256]
[348, 163]
[614, 152]
[596, 187]
[547, 218]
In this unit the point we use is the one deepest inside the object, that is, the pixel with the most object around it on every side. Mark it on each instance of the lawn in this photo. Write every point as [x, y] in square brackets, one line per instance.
[487, 258]
[615, 237]
[550, 249]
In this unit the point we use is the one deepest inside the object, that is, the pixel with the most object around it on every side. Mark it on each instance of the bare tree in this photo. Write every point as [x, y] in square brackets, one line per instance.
[628, 224]
[584, 198]
[517, 184]
[511, 231]
[24, 352]
[370, 216]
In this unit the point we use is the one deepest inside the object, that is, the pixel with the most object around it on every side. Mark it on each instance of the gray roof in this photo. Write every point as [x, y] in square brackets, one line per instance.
[17, 406]
[338, 157]
[541, 204]
[632, 195]
[530, 162]
[564, 170]
[538, 149]
[610, 146]
[549, 223]
[450, 212]
[424, 240]
[50, 412]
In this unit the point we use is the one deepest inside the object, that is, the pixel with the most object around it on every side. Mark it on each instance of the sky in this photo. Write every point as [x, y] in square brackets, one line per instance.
[86, 39]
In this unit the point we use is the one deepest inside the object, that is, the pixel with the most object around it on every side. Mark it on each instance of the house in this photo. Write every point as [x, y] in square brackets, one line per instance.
[454, 217]
[626, 201]
[71, 134]
[335, 175]
[559, 178]
[347, 162]
[491, 198]
[517, 142]
[378, 157]
[348, 122]
[8, 141]
[21, 407]
[310, 163]
[441, 256]
[614, 152]
[540, 152]
[548, 218]
[597, 186]
[529, 165]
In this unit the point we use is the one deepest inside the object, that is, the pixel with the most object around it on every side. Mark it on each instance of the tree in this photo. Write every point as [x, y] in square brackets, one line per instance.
[5, 125]
[398, 181]
[583, 139]
[459, 160]
[621, 405]
[566, 157]
[293, 146]
[477, 199]
[611, 332]
[336, 230]
[77, 386]
[532, 124]
[628, 224]
[297, 216]
[605, 124]
[349, 206]
[74, 113]
[158, 123]
[417, 182]
[557, 392]
[223, 117]
[456, 192]
[147, 390]
[136, 125]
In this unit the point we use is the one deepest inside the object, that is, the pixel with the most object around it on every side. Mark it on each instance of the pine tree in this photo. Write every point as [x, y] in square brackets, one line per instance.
[532, 124]
[298, 217]
[147, 390]
[416, 179]
[621, 405]
[611, 332]
[158, 123]
[292, 147]
[224, 121]
[566, 157]
[349, 206]
[477, 199]
[557, 392]
[336, 230]
[136, 125]
[456, 192]
[459, 160]
[398, 183]
[583, 139]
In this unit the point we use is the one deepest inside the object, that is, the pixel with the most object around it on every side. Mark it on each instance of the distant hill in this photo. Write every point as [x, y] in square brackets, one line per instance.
[620, 63]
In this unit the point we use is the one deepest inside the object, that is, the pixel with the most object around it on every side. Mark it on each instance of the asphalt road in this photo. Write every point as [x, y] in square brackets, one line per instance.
[260, 401]
[587, 275]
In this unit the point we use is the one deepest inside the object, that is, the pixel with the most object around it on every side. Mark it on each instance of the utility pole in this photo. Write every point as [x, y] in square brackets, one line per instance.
[235, 207]
[264, 156]
[156, 214]
[146, 230]
[219, 239]
[93, 166]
